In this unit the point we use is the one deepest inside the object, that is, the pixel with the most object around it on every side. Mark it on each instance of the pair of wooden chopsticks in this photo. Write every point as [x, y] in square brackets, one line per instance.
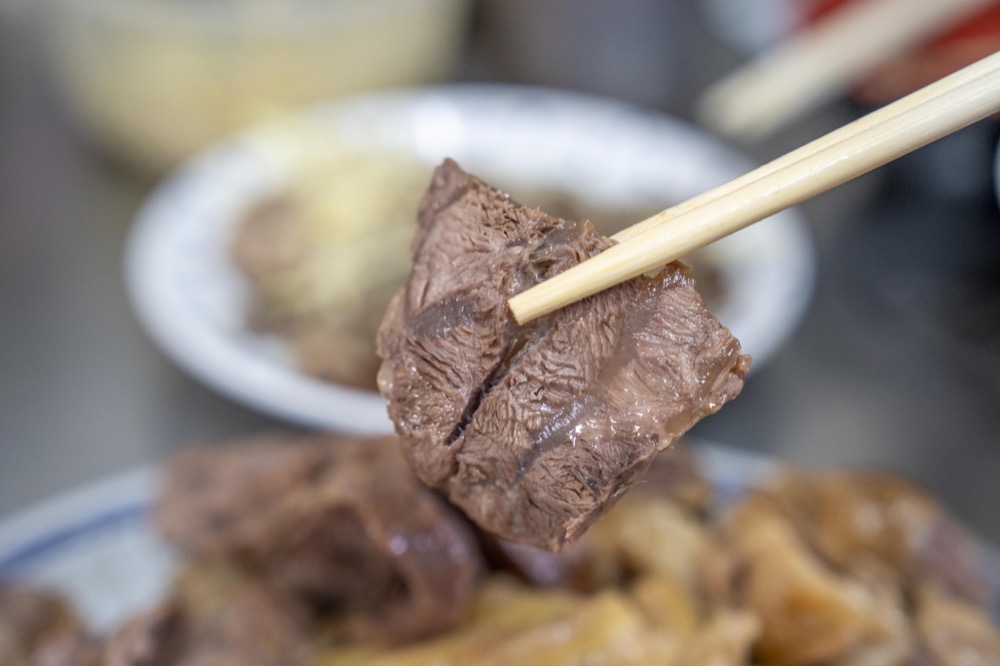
[819, 64]
[937, 110]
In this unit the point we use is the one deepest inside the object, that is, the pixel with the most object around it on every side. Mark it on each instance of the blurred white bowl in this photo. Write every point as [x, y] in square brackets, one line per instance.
[154, 80]
[193, 302]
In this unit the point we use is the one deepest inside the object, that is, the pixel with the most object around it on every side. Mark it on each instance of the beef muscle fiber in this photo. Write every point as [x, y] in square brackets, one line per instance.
[534, 430]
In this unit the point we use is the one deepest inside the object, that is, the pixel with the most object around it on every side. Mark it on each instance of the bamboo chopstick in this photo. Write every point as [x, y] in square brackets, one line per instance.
[951, 104]
[887, 112]
[821, 63]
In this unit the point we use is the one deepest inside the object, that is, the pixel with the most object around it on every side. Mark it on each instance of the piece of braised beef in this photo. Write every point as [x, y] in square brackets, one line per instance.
[341, 525]
[535, 430]
[883, 529]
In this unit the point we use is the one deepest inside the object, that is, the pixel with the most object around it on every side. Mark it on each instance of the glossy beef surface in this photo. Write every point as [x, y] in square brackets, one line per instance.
[338, 525]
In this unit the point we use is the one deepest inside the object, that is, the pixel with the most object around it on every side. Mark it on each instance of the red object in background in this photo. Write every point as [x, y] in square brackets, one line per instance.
[961, 45]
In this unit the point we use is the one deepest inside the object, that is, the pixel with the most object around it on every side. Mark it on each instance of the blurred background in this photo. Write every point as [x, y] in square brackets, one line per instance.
[895, 364]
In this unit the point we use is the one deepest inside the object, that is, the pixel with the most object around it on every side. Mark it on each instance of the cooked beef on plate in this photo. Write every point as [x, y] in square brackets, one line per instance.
[835, 568]
[337, 524]
[534, 430]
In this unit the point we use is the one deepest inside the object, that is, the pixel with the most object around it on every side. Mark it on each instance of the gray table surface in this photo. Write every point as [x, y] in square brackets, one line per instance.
[896, 365]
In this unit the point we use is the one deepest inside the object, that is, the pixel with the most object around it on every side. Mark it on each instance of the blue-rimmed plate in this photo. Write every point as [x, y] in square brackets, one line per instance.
[98, 546]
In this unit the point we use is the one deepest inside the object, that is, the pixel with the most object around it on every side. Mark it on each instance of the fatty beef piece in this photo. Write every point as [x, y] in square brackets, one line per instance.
[883, 529]
[534, 430]
[338, 525]
[850, 568]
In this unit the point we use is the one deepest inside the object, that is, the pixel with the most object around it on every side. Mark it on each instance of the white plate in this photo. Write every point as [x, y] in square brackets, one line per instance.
[97, 546]
[193, 302]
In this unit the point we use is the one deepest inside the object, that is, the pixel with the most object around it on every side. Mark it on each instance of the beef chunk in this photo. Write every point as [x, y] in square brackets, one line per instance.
[809, 614]
[534, 430]
[340, 525]
[883, 529]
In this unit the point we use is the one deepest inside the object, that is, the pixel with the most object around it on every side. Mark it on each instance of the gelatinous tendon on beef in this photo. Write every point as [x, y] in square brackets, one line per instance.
[534, 430]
